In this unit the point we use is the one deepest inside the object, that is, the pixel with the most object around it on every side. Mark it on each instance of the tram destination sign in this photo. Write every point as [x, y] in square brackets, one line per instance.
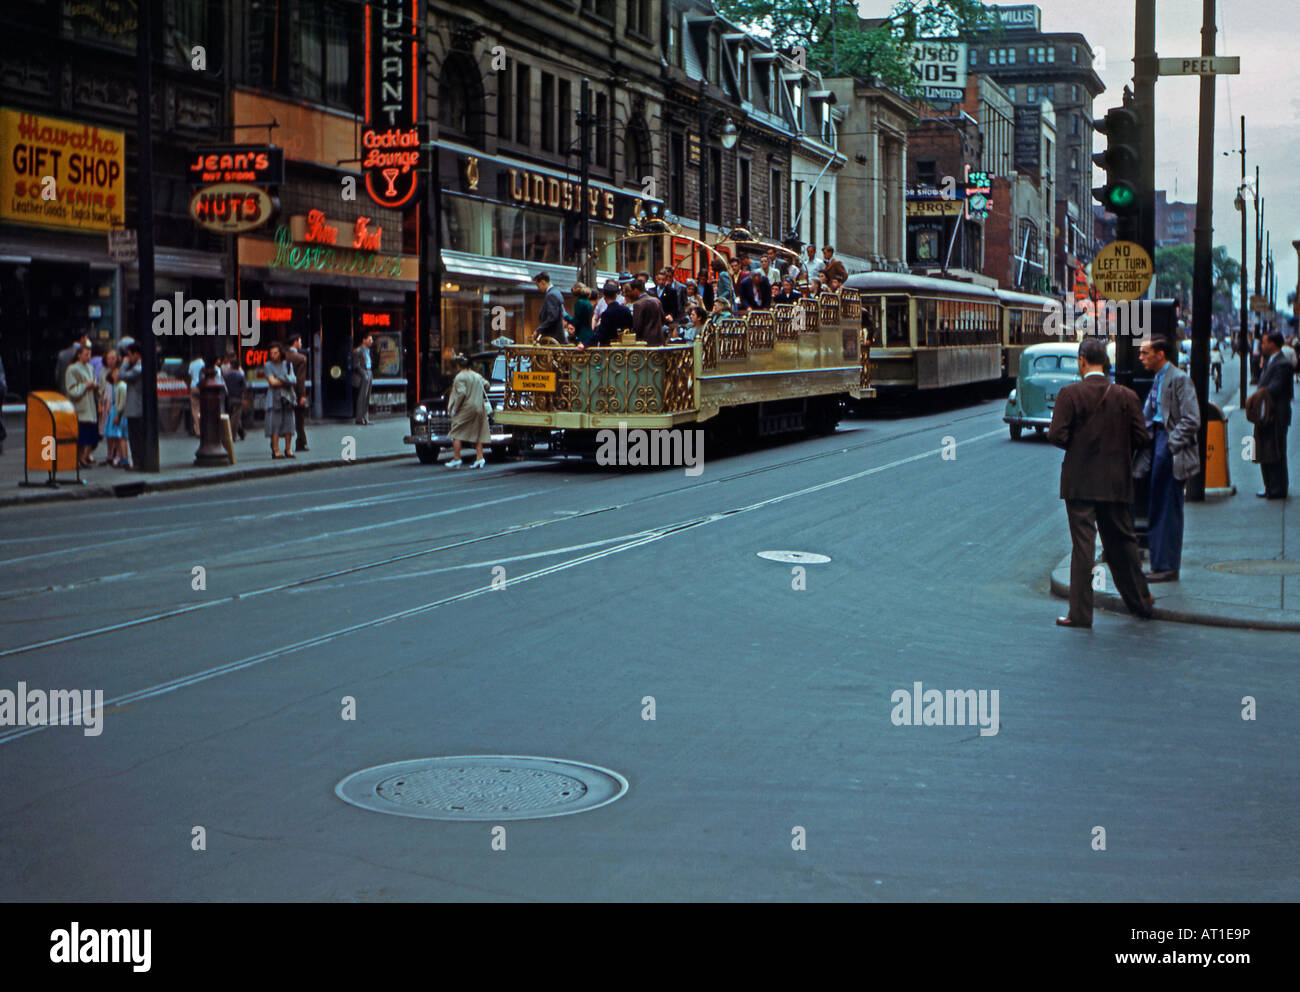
[1122, 271]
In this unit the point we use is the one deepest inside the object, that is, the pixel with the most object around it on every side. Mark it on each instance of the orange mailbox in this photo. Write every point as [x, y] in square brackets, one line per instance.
[51, 436]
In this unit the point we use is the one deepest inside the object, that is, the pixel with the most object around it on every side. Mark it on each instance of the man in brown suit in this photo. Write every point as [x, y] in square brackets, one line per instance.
[298, 361]
[647, 315]
[1100, 425]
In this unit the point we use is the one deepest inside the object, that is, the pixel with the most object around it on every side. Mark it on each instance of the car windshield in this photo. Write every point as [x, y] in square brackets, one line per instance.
[1055, 363]
[490, 367]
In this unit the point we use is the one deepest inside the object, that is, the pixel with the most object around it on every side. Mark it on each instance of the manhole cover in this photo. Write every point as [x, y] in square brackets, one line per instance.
[482, 787]
[1258, 566]
[795, 557]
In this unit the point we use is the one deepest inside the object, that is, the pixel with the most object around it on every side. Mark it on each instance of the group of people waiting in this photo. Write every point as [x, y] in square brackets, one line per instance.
[660, 310]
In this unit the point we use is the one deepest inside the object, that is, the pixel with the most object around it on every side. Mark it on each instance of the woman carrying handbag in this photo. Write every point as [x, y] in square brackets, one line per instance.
[469, 408]
[280, 401]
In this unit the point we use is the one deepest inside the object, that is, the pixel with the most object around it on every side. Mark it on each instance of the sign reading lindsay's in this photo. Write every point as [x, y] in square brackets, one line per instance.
[390, 139]
[58, 173]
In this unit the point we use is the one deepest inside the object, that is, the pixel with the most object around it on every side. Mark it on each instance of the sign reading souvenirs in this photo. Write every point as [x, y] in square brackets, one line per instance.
[258, 165]
[231, 207]
[390, 140]
[59, 173]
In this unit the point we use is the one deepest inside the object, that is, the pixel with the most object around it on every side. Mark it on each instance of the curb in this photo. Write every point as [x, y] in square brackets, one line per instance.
[136, 487]
[1112, 603]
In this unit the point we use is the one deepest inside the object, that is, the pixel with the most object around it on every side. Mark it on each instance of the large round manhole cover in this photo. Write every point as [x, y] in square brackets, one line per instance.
[795, 557]
[1258, 566]
[482, 787]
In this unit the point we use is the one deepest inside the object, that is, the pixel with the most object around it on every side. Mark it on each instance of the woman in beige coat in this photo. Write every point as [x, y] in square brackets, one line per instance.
[81, 385]
[468, 405]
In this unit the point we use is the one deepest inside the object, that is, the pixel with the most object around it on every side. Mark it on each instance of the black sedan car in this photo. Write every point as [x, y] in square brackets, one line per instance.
[431, 422]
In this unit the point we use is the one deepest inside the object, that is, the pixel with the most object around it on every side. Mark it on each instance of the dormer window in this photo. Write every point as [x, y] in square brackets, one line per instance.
[742, 72]
[715, 58]
[796, 101]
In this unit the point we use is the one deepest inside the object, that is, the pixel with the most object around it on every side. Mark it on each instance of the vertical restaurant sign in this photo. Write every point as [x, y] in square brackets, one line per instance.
[390, 139]
[59, 173]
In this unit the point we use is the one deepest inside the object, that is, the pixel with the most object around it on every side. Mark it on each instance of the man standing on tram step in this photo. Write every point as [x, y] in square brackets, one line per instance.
[1099, 424]
[647, 315]
[1173, 420]
[362, 376]
[298, 361]
[550, 322]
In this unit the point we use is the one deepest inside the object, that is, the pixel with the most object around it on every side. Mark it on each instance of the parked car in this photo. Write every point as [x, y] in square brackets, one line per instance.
[430, 422]
[1044, 370]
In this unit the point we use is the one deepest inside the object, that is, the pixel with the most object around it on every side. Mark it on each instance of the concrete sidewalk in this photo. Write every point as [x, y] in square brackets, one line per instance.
[330, 444]
[1241, 554]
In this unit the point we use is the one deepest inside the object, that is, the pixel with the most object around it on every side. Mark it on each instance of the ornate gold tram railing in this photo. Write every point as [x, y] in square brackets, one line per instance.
[636, 380]
[629, 380]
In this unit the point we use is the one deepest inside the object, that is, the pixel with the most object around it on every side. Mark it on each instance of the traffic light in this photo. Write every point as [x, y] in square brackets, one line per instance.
[1122, 160]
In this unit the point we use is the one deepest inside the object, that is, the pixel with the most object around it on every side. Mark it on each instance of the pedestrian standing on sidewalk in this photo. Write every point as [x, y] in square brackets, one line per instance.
[298, 360]
[1099, 424]
[468, 405]
[131, 373]
[82, 387]
[66, 357]
[280, 401]
[236, 385]
[1269, 409]
[114, 390]
[1173, 420]
[362, 377]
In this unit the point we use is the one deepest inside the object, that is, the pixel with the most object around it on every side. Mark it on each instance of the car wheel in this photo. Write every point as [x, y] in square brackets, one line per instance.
[1039, 431]
[427, 453]
[1015, 432]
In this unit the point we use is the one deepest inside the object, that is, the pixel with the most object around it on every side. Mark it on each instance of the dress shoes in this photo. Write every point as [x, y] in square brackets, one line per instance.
[1148, 610]
[1067, 622]
[1170, 576]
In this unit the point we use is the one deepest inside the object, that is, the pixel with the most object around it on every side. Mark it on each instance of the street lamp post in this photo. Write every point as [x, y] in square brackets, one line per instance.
[729, 136]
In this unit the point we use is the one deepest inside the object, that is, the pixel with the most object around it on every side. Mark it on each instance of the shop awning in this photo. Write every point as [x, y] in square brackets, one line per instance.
[511, 270]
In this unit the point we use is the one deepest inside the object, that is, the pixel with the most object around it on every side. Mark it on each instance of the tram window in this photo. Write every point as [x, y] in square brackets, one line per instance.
[1015, 326]
[896, 323]
[871, 321]
[927, 321]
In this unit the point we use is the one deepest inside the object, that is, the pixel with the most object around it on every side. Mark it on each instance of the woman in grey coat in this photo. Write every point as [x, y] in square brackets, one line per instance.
[468, 405]
[280, 401]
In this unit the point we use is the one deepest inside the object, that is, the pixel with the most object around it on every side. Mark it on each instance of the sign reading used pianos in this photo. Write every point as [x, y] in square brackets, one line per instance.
[532, 382]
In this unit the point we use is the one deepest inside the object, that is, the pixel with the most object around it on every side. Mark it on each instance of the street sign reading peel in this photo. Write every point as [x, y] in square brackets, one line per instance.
[1122, 271]
[1201, 65]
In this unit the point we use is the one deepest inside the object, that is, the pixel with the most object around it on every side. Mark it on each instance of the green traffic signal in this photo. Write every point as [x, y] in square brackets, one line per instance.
[1121, 198]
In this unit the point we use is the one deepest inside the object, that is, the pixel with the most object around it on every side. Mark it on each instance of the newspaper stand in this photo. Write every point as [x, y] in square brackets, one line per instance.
[51, 438]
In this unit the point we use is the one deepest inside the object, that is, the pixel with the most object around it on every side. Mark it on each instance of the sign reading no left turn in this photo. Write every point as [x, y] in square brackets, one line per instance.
[1201, 65]
[1122, 271]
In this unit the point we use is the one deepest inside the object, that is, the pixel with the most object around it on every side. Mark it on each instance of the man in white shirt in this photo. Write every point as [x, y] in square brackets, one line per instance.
[813, 265]
[196, 377]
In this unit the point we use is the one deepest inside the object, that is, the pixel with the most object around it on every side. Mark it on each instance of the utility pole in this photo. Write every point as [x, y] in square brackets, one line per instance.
[1202, 262]
[1142, 229]
[1243, 336]
[704, 169]
[584, 221]
[147, 460]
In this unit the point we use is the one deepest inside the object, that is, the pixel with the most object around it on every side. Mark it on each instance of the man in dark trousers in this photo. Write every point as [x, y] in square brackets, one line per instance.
[1099, 424]
[1172, 414]
[131, 372]
[647, 315]
[298, 361]
[672, 296]
[615, 319]
[362, 376]
[550, 322]
[1276, 391]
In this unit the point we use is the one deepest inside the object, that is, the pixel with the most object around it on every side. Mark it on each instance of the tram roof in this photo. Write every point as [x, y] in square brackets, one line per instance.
[884, 282]
[1011, 296]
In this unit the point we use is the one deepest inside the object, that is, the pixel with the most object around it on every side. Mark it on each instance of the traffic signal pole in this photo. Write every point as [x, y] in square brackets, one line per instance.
[1202, 265]
[1143, 228]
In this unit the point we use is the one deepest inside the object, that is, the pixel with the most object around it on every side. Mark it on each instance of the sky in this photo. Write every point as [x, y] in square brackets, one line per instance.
[1262, 33]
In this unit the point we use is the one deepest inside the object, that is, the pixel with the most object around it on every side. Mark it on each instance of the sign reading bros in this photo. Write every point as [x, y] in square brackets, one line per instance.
[390, 141]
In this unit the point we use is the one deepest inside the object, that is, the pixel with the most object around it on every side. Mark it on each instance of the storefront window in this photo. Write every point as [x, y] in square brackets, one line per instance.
[467, 225]
[509, 230]
[543, 232]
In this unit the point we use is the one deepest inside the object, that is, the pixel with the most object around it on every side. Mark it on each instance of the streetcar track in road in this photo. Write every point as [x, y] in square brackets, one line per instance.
[636, 541]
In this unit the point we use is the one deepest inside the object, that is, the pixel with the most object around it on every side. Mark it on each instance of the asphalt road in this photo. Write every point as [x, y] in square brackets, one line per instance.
[773, 704]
